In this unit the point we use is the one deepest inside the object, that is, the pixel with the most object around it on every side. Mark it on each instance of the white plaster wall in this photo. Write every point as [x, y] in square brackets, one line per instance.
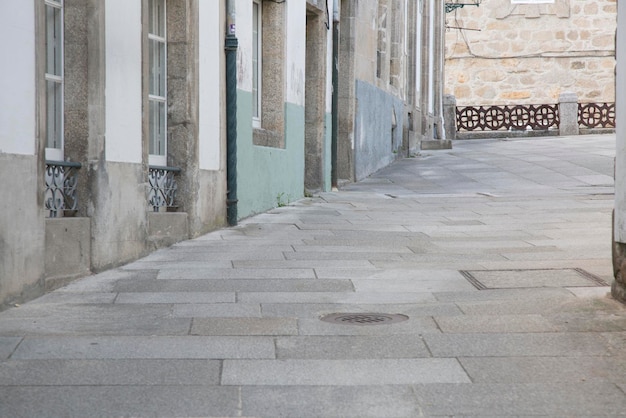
[295, 57]
[17, 77]
[123, 81]
[211, 64]
[620, 160]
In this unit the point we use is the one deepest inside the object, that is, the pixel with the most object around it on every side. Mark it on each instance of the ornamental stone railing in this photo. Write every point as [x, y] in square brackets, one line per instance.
[162, 187]
[61, 179]
[568, 117]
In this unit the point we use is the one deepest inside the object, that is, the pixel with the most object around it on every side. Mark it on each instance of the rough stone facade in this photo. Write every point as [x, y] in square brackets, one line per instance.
[531, 53]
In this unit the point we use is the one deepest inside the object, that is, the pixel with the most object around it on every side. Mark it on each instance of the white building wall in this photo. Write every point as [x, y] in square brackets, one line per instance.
[211, 103]
[123, 81]
[17, 77]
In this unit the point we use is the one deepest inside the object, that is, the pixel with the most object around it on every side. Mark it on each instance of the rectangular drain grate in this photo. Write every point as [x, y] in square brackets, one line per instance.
[531, 278]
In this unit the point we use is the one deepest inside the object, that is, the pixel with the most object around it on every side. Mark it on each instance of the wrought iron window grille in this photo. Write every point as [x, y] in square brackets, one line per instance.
[61, 179]
[162, 187]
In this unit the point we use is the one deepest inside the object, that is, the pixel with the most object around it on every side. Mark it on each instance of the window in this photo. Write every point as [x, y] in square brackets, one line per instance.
[157, 91]
[268, 75]
[257, 70]
[54, 79]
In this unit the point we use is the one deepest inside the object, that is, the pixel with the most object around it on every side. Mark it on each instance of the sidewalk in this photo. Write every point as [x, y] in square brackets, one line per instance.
[497, 252]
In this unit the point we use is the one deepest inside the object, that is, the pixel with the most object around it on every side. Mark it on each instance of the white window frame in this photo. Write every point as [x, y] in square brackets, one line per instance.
[257, 65]
[55, 111]
[158, 157]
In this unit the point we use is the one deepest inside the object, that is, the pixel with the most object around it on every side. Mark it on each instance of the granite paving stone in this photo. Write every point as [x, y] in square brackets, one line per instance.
[516, 345]
[238, 272]
[234, 285]
[544, 369]
[513, 400]
[335, 297]
[387, 346]
[495, 324]
[104, 319]
[109, 372]
[316, 310]
[119, 401]
[410, 285]
[8, 345]
[189, 347]
[175, 297]
[330, 401]
[244, 326]
[342, 372]
[219, 310]
[414, 325]
[76, 298]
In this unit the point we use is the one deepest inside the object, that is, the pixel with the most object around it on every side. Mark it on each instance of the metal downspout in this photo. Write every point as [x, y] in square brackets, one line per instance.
[230, 47]
[335, 96]
[441, 64]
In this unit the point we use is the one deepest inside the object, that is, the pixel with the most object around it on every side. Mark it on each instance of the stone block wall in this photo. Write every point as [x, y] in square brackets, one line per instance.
[531, 53]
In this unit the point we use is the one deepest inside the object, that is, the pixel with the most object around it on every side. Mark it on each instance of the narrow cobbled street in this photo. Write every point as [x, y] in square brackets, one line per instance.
[470, 282]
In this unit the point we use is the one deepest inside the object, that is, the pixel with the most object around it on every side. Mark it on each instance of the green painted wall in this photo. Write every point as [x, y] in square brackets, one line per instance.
[268, 176]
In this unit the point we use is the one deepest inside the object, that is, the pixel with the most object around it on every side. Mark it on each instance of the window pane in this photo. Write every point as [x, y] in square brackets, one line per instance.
[157, 68]
[156, 10]
[54, 119]
[54, 41]
[157, 127]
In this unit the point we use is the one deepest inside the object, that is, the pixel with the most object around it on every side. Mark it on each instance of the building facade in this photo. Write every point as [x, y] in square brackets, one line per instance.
[390, 83]
[507, 52]
[126, 126]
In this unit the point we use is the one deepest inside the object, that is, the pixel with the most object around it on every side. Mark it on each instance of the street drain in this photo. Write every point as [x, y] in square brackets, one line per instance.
[531, 278]
[363, 318]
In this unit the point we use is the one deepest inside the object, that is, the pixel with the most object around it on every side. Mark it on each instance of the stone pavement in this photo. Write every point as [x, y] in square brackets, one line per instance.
[498, 252]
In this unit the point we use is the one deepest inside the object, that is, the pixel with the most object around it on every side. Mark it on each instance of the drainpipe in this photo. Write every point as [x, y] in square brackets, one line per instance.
[335, 97]
[230, 48]
[441, 134]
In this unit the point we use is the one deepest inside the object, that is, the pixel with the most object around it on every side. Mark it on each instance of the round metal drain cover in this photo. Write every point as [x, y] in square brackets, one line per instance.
[363, 318]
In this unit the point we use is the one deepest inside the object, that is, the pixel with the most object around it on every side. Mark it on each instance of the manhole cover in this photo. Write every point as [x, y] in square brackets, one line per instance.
[531, 278]
[363, 318]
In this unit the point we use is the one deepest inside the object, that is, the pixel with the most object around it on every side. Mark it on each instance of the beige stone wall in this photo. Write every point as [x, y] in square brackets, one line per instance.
[529, 54]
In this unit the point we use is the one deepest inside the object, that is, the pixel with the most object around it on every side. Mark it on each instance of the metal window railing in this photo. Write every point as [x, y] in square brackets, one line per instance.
[61, 179]
[162, 187]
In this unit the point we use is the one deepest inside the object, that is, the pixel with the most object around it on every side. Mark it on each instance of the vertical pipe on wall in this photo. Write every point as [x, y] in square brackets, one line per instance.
[230, 47]
[335, 97]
